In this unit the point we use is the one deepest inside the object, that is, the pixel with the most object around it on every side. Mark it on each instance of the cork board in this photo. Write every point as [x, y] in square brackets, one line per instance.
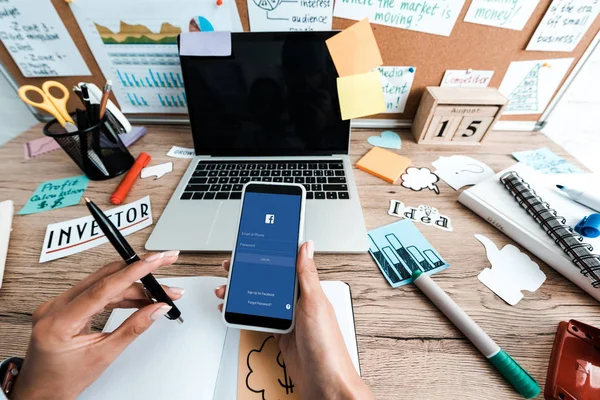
[469, 46]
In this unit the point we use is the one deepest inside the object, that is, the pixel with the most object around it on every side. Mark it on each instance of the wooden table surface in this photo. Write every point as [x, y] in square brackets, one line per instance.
[407, 347]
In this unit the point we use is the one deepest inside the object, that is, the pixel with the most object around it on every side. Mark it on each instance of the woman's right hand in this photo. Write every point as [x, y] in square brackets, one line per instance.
[315, 353]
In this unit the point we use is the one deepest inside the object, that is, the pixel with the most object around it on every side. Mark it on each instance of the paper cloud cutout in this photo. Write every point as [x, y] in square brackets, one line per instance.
[458, 171]
[157, 170]
[511, 272]
[420, 178]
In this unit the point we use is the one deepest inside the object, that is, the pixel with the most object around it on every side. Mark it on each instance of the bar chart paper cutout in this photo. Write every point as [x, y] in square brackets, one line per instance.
[399, 249]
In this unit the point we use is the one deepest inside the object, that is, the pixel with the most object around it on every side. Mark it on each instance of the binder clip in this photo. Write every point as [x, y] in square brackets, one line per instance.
[589, 226]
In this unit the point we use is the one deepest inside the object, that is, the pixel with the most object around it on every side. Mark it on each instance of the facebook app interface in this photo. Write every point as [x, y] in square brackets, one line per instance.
[264, 270]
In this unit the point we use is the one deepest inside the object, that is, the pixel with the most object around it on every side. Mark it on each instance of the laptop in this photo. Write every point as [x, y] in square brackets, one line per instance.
[267, 113]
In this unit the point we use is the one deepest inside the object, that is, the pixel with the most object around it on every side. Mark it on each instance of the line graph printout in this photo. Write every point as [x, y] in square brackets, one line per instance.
[135, 45]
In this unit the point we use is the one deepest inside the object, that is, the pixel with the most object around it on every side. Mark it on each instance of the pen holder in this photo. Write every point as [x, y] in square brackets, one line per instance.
[97, 150]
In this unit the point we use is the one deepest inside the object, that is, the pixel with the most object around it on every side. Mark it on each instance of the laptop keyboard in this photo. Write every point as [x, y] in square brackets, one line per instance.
[222, 180]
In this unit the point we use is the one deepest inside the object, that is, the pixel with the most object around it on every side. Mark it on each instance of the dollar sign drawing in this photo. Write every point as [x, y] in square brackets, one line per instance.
[287, 384]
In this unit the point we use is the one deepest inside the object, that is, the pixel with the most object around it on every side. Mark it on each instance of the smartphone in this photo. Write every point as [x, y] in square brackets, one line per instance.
[263, 283]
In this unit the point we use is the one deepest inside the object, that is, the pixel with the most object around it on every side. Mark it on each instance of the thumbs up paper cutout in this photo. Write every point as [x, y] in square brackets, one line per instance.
[512, 271]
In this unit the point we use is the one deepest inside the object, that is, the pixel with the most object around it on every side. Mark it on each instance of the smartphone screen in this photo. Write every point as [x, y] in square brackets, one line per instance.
[263, 273]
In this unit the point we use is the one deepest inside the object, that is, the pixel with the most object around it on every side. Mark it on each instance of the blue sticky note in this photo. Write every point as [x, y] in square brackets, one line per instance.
[399, 249]
[546, 161]
[56, 194]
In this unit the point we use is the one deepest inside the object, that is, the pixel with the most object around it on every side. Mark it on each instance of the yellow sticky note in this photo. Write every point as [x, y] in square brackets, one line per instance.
[360, 95]
[355, 50]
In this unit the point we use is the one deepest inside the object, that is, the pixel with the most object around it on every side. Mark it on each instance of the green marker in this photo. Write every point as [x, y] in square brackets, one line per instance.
[509, 368]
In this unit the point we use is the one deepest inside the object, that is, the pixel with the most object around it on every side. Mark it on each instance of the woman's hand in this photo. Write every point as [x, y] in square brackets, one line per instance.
[64, 357]
[315, 353]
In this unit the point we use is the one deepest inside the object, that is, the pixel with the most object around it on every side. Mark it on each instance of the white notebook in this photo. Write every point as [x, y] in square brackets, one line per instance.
[490, 200]
[197, 359]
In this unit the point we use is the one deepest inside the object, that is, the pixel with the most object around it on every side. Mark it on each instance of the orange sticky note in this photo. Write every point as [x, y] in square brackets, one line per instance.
[355, 50]
[383, 164]
[360, 95]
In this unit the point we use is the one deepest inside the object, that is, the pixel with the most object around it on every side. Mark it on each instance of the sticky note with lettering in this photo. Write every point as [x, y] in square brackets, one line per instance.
[355, 50]
[360, 95]
[56, 194]
[70, 237]
[396, 83]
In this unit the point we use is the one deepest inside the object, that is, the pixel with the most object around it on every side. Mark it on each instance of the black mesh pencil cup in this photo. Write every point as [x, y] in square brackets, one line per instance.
[98, 150]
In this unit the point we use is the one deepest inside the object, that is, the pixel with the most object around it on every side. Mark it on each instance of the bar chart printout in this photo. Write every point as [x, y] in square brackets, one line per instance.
[399, 249]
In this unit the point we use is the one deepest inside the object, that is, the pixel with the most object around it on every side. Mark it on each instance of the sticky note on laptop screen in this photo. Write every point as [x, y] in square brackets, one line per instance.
[355, 50]
[383, 164]
[360, 95]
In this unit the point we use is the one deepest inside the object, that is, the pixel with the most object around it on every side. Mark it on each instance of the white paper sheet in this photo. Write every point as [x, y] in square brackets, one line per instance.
[158, 171]
[466, 78]
[396, 83]
[143, 63]
[511, 271]
[564, 25]
[38, 41]
[458, 171]
[191, 352]
[529, 85]
[512, 14]
[290, 15]
[437, 17]
[74, 236]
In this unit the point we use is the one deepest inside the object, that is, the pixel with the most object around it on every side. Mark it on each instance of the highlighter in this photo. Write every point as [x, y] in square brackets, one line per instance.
[125, 186]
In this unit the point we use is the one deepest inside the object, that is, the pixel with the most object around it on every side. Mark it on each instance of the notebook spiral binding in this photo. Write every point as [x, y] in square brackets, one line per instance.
[555, 226]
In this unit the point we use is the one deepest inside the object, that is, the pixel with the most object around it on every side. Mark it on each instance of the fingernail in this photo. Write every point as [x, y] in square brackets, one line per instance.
[310, 249]
[217, 288]
[160, 312]
[177, 290]
[224, 262]
[172, 253]
[155, 257]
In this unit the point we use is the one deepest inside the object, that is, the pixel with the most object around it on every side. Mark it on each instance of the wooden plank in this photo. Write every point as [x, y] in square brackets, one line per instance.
[406, 345]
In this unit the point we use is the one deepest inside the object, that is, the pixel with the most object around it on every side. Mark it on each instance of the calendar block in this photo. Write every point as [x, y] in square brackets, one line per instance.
[457, 115]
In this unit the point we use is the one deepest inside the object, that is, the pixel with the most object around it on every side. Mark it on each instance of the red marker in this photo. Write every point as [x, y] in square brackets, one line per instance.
[125, 186]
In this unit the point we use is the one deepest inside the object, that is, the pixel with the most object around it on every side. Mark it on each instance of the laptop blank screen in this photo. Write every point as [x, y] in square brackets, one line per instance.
[275, 95]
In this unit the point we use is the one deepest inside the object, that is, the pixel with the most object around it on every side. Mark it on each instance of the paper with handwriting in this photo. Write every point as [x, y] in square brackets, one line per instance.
[512, 14]
[396, 83]
[37, 40]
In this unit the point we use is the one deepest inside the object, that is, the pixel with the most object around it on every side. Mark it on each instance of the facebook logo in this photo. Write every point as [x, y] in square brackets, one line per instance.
[270, 219]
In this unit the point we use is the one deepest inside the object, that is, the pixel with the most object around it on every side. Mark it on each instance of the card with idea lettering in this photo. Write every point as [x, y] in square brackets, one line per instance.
[56, 194]
[425, 215]
[399, 249]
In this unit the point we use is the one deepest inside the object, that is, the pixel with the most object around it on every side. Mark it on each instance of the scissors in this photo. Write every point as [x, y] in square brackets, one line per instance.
[55, 106]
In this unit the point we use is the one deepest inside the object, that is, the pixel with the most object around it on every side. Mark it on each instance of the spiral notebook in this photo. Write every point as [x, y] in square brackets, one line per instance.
[539, 217]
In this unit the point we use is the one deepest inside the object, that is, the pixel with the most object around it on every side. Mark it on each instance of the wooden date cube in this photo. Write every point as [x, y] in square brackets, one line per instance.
[457, 115]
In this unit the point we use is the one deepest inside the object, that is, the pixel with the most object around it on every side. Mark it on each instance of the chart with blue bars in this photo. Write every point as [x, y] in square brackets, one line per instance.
[151, 78]
[399, 249]
[168, 99]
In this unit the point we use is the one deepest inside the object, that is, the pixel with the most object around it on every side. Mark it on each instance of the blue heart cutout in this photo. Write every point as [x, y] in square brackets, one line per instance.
[387, 139]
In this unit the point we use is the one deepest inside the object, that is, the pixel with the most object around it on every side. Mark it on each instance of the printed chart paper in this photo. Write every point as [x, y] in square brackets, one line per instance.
[396, 83]
[56, 194]
[530, 85]
[466, 78]
[38, 41]
[74, 236]
[399, 249]
[564, 25]
[290, 15]
[436, 17]
[135, 45]
[512, 14]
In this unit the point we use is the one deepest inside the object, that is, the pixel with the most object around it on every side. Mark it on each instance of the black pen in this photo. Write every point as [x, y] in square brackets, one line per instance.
[129, 255]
